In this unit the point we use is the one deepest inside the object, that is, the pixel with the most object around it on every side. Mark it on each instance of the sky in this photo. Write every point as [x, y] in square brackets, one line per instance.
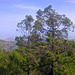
[13, 11]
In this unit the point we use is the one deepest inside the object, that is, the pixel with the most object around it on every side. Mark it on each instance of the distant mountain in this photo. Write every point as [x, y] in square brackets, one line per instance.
[8, 39]
[73, 39]
[7, 45]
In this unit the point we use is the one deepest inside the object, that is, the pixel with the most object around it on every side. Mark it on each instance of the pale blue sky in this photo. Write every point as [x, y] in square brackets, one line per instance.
[13, 11]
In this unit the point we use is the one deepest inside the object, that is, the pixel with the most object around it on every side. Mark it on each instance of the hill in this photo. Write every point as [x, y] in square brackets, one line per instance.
[7, 45]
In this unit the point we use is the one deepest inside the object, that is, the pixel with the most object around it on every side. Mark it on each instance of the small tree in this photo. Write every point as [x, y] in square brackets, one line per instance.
[25, 26]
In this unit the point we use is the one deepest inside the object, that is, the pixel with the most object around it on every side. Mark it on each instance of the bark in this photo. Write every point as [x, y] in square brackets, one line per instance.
[53, 36]
[51, 72]
[28, 71]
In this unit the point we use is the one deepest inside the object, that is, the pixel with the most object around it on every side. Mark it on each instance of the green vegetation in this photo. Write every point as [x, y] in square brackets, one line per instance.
[43, 48]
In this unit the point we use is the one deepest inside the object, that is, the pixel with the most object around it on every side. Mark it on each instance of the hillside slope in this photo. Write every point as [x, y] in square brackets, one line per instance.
[7, 45]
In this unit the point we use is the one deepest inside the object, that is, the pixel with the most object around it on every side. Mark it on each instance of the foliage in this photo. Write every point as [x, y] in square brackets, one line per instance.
[37, 61]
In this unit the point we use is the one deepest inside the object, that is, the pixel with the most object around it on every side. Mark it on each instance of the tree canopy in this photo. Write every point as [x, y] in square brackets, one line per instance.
[43, 49]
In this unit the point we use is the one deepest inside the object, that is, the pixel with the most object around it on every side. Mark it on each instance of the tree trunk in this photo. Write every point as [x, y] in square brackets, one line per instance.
[28, 41]
[28, 71]
[51, 72]
[53, 35]
[52, 48]
[52, 68]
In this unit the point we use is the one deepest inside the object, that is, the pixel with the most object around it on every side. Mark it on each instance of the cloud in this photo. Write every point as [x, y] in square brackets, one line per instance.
[27, 7]
[70, 1]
